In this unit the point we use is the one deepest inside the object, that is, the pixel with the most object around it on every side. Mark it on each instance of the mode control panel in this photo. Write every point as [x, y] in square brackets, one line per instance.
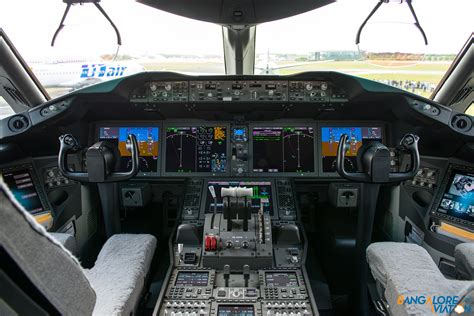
[243, 91]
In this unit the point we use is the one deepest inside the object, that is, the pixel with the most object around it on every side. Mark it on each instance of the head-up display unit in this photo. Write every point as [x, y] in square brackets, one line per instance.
[455, 200]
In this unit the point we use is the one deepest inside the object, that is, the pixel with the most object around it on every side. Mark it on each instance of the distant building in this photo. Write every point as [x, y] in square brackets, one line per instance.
[336, 55]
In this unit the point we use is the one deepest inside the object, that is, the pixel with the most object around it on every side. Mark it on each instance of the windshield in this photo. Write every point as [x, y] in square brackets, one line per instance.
[85, 51]
[391, 50]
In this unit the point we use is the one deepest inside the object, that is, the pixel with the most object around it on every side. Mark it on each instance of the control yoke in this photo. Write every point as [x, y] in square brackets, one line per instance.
[101, 159]
[374, 160]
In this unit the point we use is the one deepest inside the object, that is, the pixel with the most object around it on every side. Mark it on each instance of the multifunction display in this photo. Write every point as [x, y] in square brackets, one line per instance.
[201, 149]
[235, 310]
[23, 188]
[262, 195]
[281, 279]
[357, 136]
[458, 199]
[147, 138]
[283, 149]
[192, 279]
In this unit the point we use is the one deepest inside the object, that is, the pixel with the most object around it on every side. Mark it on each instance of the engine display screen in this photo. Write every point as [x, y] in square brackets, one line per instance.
[283, 149]
[262, 193]
[458, 199]
[357, 136]
[147, 138]
[196, 149]
[235, 310]
[283, 279]
[20, 182]
[192, 279]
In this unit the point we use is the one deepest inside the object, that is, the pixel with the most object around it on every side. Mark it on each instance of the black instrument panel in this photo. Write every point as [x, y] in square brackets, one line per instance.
[200, 91]
[298, 148]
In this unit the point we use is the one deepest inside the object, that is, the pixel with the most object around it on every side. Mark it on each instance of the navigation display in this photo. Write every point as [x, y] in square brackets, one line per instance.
[283, 149]
[357, 136]
[20, 182]
[262, 192]
[192, 279]
[284, 279]
[196, 149]
[235, 310]
[147, 138]
[458, 199]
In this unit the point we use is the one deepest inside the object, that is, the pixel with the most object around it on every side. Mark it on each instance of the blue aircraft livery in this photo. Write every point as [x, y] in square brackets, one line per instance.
[102, 70]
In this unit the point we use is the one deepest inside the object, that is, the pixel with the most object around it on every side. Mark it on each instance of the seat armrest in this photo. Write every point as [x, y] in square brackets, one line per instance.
[464, 260]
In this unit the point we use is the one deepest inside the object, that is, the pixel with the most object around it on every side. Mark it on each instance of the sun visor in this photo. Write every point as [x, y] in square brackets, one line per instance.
[236, 12]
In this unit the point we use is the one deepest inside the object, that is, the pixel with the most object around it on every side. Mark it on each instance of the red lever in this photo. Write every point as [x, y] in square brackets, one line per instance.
[210, 243]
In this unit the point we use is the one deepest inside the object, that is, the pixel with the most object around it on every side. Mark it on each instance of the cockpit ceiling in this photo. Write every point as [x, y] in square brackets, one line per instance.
[242, 12]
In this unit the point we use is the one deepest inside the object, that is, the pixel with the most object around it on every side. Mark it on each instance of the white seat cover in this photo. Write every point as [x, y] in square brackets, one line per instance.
[119, 274]
[407, 270]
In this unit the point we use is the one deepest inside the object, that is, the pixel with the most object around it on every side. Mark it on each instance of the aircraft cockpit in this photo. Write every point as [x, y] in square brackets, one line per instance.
[143, 188]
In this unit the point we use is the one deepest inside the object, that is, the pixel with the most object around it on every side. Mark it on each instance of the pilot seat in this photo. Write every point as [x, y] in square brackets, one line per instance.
[41, 275]
[404, 271]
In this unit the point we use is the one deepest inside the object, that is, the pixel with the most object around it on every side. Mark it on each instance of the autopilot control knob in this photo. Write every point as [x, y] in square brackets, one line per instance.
[229, 244]
[245, 244]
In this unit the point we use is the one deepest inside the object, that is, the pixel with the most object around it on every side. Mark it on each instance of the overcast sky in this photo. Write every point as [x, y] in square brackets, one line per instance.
[30, 24]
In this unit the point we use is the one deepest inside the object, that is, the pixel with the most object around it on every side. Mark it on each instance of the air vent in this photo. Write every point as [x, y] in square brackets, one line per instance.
[18, 123]
[461, 123]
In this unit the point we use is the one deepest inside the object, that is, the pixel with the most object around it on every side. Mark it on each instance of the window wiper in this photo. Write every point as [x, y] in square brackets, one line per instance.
[377, 6]
[69, 3]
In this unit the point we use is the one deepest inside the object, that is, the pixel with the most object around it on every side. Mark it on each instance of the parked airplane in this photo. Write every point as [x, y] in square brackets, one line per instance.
[78, 75]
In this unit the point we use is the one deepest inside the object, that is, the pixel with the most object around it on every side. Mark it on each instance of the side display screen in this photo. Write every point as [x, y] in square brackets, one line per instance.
[192, 279]
[235, 310]
[20, 182]
[283, 149]
[147, 138]
[357, 136]
[283, 279]
[262, 192]
[196, 149]
[458, 198]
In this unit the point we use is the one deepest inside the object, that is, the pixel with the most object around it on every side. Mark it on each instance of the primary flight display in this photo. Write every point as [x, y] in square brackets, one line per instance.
[148, 141]
[357, 136]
